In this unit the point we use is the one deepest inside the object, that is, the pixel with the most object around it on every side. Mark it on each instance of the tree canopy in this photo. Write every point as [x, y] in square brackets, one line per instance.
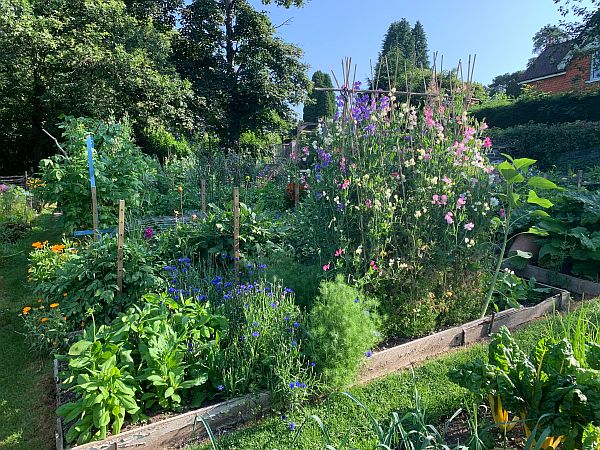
[506, 84]
[322, 103]
[548, 35]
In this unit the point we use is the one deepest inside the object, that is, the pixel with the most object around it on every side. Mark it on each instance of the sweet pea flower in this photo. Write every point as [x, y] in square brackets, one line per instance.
[435, 199]
[443, 199]
[373, 265]
[461, 202]
[345, 184]
[326, 267]
[469, 226]
[502, 213]
[339, 252]
[449, 217]
[487, 143]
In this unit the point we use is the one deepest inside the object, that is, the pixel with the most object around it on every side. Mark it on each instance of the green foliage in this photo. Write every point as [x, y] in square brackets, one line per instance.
[160, 142]
[421, 49]
[14, 205]
[266, 335]
[88, 281]
[512, 291]
[304, 279]
[319, 103]
[548, 35]
[59, 61]
[122, 172]
[342, 330]
[548, 109]
[248, 76]
[505, 84]
[259, 235]
[157, 354]
[548, 389]
[552, 145]
[570, 239]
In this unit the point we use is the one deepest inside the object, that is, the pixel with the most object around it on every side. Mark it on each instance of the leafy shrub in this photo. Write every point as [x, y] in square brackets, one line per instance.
[14, 207]
[341, 331]
[155, 355]
[122, 172]
[572, 235]
[46, 327]
[87, 282]
[158, 141]
[551, 144]
[303, 279]
[549, 109]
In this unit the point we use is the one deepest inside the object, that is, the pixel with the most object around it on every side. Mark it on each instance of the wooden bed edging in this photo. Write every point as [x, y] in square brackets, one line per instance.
[179, 429]
[568, 282]
[405, 355]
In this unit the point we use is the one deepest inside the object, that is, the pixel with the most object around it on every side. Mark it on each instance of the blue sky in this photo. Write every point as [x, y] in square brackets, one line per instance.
[499, 33]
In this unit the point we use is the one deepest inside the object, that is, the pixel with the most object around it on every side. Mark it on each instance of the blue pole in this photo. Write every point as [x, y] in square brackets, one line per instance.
[89, 140]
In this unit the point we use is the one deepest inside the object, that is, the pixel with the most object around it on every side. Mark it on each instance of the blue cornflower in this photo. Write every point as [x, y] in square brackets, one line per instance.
[286, 318]
[246, 305]
[288, 291]
[356, 301]
[294, 344]
[255, 323]
[283, 417]
[167, 268]
[220, 387]
[171, 290]
[273, 305]
[227, 284]
[242, 337]
[201, 297]
[292, 385]
[184, 260]
[296, 324]
[292, 426]
[262, 266]
[368, 353]
[255, 333]
[303, 385]
[313, 364]
[298, 384]
[227, 297]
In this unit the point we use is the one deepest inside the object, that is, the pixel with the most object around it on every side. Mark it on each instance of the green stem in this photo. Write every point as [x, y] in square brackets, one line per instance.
[490, 292]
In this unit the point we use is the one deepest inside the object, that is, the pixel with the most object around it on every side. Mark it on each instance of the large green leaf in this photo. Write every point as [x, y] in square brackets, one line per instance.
[543, 183]
[533, 198]
[523, 163]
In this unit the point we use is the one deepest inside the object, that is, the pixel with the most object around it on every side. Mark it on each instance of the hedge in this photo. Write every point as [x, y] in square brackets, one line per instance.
[574, 145]
[548, 109]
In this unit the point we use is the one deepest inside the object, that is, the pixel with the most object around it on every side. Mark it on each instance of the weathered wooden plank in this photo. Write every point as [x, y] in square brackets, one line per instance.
[177, 430]
[568, 282]
[120, 243]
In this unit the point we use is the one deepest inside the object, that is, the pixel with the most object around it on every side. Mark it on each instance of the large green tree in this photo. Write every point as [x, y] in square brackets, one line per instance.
[322, 103]
[507, 84]
[421, 48]
[249, 76]
[82, 58]
[548, 35]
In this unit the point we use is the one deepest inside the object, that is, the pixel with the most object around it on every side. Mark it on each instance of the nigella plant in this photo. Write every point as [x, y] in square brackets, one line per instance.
[405, 191]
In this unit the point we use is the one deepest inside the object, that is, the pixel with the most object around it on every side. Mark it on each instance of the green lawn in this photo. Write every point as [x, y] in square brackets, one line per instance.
[27, 401]
[439, 396]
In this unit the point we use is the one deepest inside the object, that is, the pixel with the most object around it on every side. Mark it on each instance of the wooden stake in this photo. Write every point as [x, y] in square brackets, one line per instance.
[579, 179]
[120, 239]
[95, 213]
[236, 230]
[203, 194]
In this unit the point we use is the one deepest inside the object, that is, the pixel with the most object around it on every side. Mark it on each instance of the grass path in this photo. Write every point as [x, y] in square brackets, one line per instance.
[26, 388]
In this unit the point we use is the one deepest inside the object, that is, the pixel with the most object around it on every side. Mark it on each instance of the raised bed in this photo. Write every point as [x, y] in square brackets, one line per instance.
[176, 430]
[567, 282]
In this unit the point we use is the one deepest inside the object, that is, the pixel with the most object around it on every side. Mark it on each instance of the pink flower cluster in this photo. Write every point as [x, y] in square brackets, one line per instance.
[439, 200]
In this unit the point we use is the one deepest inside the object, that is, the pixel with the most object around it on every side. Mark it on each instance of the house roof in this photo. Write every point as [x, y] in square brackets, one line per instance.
[548, 62]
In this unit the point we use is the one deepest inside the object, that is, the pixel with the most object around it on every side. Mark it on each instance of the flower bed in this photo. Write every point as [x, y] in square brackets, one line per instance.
[185, 427]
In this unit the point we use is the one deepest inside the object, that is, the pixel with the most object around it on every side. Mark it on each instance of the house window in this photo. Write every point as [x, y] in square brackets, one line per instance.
[595, 66]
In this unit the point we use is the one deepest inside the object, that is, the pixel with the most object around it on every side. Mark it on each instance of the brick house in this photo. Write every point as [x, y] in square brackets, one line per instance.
[560, 69]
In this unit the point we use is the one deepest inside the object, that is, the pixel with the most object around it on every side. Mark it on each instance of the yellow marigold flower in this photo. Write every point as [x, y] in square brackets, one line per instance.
[54, 305]
[44, 320]
[64, 294]
[26, 310]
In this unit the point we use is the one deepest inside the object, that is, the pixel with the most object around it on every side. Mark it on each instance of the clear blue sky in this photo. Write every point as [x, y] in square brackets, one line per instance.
[498, 32]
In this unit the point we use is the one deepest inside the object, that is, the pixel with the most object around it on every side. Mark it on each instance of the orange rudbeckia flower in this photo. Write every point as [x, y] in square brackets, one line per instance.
[26, 310]
[54, 305]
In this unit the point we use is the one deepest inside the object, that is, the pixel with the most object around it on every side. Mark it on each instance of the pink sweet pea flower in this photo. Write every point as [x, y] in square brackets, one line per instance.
[326, 267]
[368, 203]
[487, 143]
[469, 226]
[339, 252]
[502, 213]
[449, 217]
[443, 199]
[373, 265]
[345, 184]
[435, 199]
[446, 180]
[461, 202]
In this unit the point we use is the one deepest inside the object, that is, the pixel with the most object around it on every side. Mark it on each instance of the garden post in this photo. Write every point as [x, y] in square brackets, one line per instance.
[297, 192]
[579, 179]
[236, 230]
[120, 239]
[203, 194]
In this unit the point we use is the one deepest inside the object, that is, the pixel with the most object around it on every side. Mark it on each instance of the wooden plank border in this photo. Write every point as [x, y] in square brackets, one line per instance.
[567, 282]
[180, 429]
